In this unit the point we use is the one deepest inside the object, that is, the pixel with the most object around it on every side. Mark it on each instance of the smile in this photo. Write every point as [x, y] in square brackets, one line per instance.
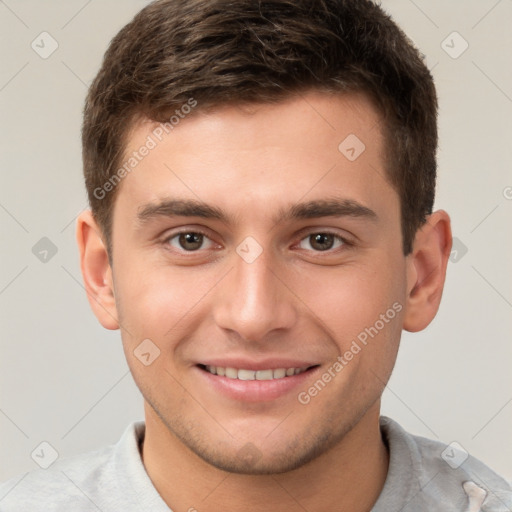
[242, 374]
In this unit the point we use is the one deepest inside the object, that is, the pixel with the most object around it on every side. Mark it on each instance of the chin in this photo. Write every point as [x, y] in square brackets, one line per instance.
[250, 461]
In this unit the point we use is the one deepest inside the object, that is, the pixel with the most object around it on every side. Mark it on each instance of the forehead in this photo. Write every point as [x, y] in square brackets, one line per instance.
[306, 118]
[245, 155]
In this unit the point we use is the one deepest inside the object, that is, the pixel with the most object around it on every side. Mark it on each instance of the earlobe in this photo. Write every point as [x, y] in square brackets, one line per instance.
[426, 271]
[96, 270]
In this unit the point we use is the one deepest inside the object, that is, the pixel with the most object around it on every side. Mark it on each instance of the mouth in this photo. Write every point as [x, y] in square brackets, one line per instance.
[244, 374]
[261, 384]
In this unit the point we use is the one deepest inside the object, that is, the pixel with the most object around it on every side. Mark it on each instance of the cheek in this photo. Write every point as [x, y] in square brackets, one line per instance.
[157, 301]
[351, 298]
[155, 308]
[361, 310]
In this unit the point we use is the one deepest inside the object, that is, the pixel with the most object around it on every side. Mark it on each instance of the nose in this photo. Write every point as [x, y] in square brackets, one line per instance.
[254, 301]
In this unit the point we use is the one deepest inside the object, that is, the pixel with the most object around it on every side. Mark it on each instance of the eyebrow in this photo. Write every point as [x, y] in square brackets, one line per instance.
[337, 207]
[180, 208]
[327, 208]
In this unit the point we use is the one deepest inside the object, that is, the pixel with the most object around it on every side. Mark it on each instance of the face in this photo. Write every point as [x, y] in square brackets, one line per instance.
[250, 244]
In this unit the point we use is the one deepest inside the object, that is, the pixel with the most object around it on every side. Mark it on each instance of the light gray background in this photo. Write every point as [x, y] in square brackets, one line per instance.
[64, 379]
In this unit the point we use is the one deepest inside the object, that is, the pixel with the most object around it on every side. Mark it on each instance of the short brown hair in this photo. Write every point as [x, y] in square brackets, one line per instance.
[223, 52]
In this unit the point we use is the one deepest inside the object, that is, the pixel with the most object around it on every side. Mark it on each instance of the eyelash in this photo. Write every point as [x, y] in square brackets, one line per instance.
[167, 240]
[345, 242]
[336, 236]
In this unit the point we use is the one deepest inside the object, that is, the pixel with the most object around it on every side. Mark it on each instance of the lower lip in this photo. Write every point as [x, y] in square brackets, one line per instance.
[255, 390]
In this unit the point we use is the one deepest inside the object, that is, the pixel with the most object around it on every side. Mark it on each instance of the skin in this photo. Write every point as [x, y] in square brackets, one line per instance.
[292, 301]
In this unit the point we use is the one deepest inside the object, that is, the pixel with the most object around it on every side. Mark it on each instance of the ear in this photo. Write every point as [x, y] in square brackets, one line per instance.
[426, 271]
[96, 270]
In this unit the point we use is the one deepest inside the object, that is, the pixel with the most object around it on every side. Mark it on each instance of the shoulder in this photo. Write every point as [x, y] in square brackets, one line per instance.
[58, 486]
[442, 474]
[79, 483]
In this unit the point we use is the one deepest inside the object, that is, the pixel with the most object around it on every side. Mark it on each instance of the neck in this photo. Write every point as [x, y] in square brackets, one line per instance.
[350, 476]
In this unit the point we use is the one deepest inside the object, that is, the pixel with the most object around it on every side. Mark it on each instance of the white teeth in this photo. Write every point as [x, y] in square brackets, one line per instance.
[264, 375]
[231, 373]
[246, 375]
[241, 374]
[279, 373]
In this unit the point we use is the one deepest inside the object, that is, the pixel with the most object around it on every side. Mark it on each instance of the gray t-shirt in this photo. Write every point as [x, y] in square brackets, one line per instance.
[424, 475]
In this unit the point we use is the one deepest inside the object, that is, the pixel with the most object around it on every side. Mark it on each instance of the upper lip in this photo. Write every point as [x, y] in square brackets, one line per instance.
[266, 364]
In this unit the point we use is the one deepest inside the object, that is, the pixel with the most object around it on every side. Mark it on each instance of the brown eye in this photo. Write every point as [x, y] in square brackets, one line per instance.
[189, 241]
[321, 241]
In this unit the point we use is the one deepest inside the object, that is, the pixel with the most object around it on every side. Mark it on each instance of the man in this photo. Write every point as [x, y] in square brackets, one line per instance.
[261, 178]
